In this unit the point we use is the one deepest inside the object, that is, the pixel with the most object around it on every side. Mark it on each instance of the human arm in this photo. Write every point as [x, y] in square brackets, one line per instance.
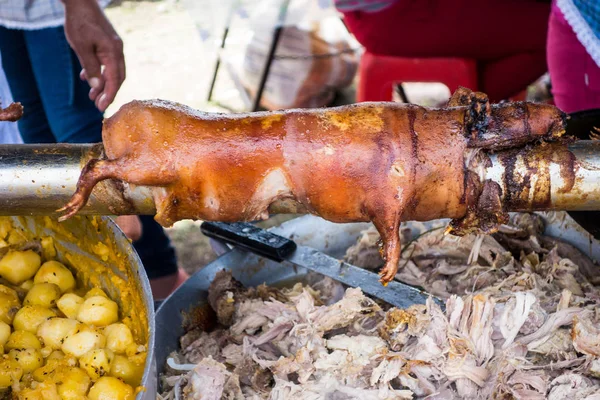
[97, 45]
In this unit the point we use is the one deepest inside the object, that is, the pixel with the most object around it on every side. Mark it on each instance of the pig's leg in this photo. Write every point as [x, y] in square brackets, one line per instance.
[386, 220]
[98, 170]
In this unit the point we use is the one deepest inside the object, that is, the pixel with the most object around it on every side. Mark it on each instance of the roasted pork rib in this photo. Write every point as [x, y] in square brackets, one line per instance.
[378, 162]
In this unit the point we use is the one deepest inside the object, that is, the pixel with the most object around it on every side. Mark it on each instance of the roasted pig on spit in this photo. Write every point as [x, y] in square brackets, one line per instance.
[379, 162]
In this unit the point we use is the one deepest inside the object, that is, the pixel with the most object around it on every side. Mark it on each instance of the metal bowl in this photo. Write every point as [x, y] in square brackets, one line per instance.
[186, 306]
[101, 256]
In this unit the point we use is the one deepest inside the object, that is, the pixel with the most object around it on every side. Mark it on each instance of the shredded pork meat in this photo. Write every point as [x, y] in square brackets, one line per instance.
[521, 322]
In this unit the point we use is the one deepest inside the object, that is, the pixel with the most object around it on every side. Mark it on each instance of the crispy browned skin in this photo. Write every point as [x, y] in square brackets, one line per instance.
[11, 113]
[379, 162]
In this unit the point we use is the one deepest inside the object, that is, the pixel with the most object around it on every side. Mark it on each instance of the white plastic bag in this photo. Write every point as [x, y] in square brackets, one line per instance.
[316, 54]
[315, 58]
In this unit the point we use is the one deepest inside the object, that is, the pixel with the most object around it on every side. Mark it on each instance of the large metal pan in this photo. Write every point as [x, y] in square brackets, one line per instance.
[186, 306]
[101, 256]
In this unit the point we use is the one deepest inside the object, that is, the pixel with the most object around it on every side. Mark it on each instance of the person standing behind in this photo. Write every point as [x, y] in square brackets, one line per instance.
[573, 50]
[507, 38]
[65, 63]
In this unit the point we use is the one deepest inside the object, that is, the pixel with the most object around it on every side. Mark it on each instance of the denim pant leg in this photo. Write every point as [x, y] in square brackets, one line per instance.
[72, 116]
[155, 249]
[33, 126]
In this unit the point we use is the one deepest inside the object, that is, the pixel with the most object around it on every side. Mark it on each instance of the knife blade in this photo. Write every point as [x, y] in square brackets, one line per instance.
[278, 248]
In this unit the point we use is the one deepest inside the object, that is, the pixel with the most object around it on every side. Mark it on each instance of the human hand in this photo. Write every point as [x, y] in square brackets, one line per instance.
[98, 47]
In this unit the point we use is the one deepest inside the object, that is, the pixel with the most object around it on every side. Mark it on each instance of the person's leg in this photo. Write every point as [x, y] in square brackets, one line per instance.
[73, 117]
[574, 75]
[159, 258]
[33, 126]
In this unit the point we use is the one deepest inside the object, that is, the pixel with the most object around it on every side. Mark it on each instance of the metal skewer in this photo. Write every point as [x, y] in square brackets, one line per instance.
[39, 179]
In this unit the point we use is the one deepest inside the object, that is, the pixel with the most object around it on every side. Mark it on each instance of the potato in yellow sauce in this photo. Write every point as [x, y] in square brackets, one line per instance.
[58, 340]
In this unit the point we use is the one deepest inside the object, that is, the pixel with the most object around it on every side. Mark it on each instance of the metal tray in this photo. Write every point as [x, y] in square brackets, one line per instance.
[330, 238]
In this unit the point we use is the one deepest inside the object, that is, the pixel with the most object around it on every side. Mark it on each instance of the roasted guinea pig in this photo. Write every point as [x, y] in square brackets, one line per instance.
[380, 162]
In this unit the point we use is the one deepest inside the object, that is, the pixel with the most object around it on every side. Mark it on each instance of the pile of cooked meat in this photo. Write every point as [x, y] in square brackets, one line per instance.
[520, 322]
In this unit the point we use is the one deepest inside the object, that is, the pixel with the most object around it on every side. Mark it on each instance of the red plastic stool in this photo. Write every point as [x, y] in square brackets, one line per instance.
[378, 74]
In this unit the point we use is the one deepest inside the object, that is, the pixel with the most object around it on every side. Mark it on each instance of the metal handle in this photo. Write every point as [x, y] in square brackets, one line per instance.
[250, 238]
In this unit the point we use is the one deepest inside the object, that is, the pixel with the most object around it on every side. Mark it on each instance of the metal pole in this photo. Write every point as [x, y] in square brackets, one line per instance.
[217, 65]
[271, 55]
[39, 179]
[223, 40]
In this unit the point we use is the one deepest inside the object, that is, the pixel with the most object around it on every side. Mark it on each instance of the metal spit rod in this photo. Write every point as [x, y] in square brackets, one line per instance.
[39, 179]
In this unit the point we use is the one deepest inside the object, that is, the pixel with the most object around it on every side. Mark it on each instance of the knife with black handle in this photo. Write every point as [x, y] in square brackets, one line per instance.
[278, 248]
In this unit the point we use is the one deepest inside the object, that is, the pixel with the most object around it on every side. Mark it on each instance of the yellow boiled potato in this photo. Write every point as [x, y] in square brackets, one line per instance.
[57, 273]
[5, 227]
[16, 237]
[46, 351]
[56, 355]
[28, 359]
[83, 342]
[69, 305]
[54, 331]
[54, 369]
[43, 294]
[42, 391]
[118, 338]
[136, 353]
[98, 311]
[9, 305]
[29, 318]
[27, 285]
[19, 266]
[95, 292]
[4, 333]
[75, 384]
[23, 340]
[129, 372]
[48, 249]
[109, 388]
[96, 363]
[10, 372]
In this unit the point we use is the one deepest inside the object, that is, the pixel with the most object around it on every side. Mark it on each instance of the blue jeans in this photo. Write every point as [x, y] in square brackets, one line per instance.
[43, 74]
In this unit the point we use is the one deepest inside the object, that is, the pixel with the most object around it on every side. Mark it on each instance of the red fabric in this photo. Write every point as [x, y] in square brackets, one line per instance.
[574, 74]
[379, 74]
[507, 38]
